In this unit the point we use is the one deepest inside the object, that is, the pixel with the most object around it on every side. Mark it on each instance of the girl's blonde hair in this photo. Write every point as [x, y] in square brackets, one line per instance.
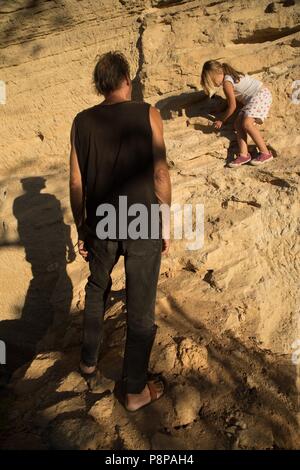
[216, 66]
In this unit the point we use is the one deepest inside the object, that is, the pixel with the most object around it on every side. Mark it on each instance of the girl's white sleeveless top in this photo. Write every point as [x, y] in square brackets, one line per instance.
[246, 88]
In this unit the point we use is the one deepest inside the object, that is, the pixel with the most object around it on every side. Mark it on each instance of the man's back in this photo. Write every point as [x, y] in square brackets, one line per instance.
[115, 155]
[118, 149]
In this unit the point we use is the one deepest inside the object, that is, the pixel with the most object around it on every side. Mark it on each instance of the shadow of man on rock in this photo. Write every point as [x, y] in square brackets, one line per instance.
[48, 248]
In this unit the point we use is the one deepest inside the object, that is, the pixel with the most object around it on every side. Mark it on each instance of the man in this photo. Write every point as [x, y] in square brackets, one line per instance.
[118, 149]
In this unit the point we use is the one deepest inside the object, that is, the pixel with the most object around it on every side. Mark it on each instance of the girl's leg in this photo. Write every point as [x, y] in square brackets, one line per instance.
[243, 156]
[249, 128]
[241, 135]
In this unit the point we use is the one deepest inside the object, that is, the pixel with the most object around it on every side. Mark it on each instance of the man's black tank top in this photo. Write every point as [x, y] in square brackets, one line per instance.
[114, 148]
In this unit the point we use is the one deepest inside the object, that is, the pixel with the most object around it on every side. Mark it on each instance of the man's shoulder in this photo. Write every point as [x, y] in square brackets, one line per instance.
[92, 109]
[85, 112]
[142, 104]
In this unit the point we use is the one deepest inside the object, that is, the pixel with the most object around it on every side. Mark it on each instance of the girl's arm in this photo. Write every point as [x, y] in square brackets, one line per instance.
[231, 103]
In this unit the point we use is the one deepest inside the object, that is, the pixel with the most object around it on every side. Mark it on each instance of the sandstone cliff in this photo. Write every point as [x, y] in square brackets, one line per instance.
[228, 313]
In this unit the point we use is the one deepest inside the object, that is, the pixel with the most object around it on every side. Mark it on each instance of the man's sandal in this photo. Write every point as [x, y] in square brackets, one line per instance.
[96, 381]
[154, 393]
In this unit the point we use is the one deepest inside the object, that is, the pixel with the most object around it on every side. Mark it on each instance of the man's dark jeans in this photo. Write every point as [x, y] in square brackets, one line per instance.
[142, 259]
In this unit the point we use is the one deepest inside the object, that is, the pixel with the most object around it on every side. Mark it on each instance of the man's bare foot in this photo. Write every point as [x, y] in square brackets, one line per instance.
[135, 401]
[96, 381]
[87, 369]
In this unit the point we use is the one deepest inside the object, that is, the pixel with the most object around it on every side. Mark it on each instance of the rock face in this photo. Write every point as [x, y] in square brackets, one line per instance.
[228, 312]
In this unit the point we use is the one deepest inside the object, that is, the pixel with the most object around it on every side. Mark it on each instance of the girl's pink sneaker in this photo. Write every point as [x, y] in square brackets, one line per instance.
[263, 157]
[240, 160]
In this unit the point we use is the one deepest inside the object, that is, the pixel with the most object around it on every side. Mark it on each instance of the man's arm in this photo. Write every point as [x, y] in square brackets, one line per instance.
[162, 180]
[76, 193]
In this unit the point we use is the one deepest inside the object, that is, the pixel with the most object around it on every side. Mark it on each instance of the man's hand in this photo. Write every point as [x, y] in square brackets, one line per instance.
[82, 249]
[162, 180]
[77, 194]
[71, 256]
[165, 246]
[218, 124]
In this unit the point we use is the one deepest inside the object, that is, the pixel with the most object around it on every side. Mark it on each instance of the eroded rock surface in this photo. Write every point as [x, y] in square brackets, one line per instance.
[227, 313]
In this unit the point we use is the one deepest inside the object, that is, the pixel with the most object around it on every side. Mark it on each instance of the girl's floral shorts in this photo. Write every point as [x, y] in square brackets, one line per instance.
[258, 106]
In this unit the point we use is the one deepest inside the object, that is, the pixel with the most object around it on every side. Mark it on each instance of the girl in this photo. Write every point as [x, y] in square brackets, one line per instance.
[256, 99]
